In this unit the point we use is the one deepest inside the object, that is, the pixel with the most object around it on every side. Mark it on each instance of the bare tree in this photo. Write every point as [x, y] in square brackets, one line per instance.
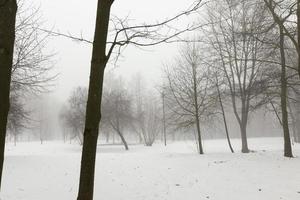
[284, 84]
[18, 117]
[124, 35]
[116, 109]
[150, 121]
[32, 70]
[187, 94]
[234, 34]
[138, 97]
[287, 15]
[73, 116]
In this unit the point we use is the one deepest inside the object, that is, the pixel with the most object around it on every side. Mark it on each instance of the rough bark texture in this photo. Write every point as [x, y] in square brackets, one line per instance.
[8, 9]
[285, 122]
[93, 111]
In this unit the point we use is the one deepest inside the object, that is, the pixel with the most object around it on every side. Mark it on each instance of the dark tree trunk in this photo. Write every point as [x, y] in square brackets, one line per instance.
[285, 123]
[93, 110]
[8, 10]
[224, 119]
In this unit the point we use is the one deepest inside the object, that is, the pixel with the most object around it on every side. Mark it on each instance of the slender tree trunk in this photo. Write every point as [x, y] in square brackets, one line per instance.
[199, 136]
[119, 132]
[93, 110]
[197, 118]
[8, 10]
[123, 140]
[285, 123]
[224, 119]
[293, 118]
[164, 120]
[107, 137]
[15, 139]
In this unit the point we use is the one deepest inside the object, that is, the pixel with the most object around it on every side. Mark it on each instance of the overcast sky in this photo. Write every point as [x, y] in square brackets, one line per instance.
[78, 17]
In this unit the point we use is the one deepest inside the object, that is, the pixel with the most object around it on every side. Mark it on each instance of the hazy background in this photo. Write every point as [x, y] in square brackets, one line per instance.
[72, 59]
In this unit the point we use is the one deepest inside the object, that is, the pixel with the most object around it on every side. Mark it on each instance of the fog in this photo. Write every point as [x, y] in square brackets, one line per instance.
[143, 100]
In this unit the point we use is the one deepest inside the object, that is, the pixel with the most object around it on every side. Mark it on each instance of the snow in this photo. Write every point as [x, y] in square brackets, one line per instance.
[50, 171]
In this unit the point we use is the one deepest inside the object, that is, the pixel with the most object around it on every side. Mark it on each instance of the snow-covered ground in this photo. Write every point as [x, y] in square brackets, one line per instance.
[176, 172]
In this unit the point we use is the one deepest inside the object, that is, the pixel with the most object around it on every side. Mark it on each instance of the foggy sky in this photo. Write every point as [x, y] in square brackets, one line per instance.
[78, 17]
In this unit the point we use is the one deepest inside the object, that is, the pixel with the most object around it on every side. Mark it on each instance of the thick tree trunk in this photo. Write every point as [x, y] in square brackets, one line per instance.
[243, 127]
[8, 10]
[93, 110]
[285, 123]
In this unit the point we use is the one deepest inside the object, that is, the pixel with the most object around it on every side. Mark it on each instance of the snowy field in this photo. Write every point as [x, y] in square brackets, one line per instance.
[176, 172]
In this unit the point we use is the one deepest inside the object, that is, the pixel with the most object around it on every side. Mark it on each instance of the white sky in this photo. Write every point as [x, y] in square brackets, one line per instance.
[78, 17]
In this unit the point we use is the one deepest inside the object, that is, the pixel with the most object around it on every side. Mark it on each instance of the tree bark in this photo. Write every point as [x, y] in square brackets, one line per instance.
[93, 111]
[285, 123]
[8, 10]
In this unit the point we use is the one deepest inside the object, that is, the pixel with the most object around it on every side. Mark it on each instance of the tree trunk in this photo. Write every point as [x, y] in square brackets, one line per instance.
[224, 119]
[243, 127]
[123, 140]
[297, 123]
[118, 130]
[107, 137]
[197, 118]
[164, 120]
[93, 110]
[298, 31]
[285, 123]
[199, 136]
[8, 10]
